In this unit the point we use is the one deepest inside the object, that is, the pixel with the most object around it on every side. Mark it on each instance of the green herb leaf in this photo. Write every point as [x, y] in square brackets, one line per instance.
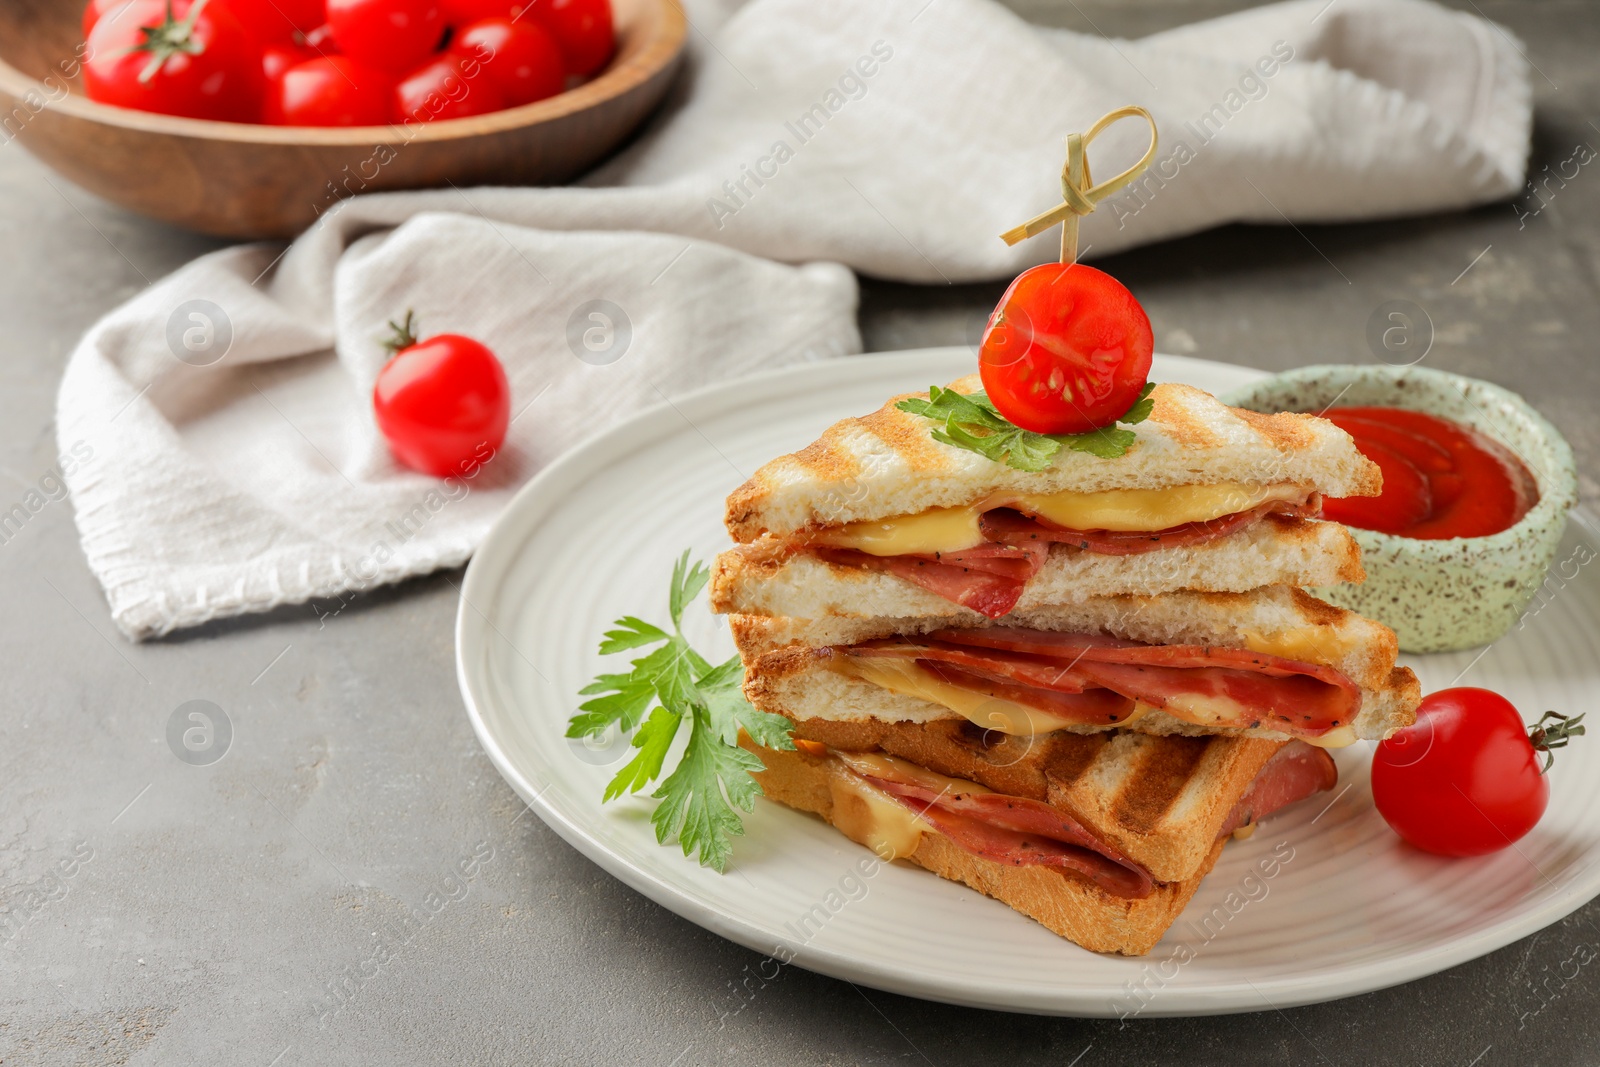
[627, 697]
[727, 709]
[675, 684]
[698, 799]
[1142, 407]
[687, 582]
[653, 740]
[971, 421]
[631, 633]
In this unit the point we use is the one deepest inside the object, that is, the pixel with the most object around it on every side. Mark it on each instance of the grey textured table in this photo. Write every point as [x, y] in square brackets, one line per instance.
[164, 913]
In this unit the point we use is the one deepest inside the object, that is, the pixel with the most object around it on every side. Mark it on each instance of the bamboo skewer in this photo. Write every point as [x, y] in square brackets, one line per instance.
[1079, 194]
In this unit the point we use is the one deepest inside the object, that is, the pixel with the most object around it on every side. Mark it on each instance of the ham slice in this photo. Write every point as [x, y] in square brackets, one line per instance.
[990, 578]
[1021, 832]
[1295, 771]
[1035, 666]
[1005, 526]
[1101, 707]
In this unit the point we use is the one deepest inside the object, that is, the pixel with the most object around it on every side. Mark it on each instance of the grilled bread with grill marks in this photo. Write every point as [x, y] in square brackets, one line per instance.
[1071, 906]
[886, 464]
[1161, 801]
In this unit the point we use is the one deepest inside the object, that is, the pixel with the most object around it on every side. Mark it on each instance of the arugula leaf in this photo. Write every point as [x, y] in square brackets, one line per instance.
[971, 421]
[677, 685]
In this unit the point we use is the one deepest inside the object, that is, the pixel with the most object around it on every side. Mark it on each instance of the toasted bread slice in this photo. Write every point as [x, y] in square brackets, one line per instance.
[788, 668]
[771, 578]
[886, 464]
[1161, 801]
[1071, 906]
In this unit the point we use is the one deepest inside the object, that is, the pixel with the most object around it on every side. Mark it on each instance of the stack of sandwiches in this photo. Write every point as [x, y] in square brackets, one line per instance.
[1065, 689]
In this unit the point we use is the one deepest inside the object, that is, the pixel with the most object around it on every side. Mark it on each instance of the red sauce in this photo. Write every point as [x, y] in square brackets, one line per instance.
[1440, 479]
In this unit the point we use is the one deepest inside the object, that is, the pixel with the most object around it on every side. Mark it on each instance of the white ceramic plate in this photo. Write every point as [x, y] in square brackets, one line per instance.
[1344, 909]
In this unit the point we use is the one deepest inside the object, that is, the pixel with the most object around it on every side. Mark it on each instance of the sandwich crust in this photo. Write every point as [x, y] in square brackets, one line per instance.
[1065, 903]
[885, 463]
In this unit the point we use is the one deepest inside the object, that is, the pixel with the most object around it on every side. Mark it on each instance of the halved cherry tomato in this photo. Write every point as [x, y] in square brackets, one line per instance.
[1067, 350]
[1465, 779]
[392, 35]
[443, 404]
[175, 58]
[447, 87]
[521, 58]
[329, 91]
[583, 29]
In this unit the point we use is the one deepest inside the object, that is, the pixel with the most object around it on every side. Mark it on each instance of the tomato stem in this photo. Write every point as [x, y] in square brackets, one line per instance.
[403, 335]
[1546, 735]
[167, 39]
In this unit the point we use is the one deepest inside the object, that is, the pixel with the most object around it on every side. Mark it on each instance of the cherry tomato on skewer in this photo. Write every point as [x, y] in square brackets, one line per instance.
[1067, 350]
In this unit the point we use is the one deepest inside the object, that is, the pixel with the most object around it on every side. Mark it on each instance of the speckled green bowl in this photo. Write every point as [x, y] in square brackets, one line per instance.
[1439, 596]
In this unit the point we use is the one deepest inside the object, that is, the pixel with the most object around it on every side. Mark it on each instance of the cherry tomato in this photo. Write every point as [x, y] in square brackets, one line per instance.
[329, 91]
[521, 58]
[95, 11]
[277, 58]
[443, 404]
[1465, 779]
[175, 59]
[448, 87]
[1066, 351]
[320, 40]
[264, 21]
[461, 12]
[392, 35]
[306, 15]
[583, 29]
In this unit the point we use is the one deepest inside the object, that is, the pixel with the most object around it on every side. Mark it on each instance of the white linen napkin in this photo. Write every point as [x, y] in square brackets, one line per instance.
[217, 429]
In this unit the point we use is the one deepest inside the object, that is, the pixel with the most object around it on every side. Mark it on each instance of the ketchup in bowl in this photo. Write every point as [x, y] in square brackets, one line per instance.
[1440, 479]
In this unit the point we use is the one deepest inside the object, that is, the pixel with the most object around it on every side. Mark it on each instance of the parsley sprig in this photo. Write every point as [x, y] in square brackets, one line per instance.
[972, 422]
[713, 776]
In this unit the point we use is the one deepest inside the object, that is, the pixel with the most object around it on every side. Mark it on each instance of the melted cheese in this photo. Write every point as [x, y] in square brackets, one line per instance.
[991, 713]
[1009, 717]
[1150, 509]
[1338, 737]
[1120, 510]
[1303, 644]
[934, 530]
[866, 814]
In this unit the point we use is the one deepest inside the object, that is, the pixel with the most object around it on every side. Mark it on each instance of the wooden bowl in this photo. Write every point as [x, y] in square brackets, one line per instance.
[240, 180]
